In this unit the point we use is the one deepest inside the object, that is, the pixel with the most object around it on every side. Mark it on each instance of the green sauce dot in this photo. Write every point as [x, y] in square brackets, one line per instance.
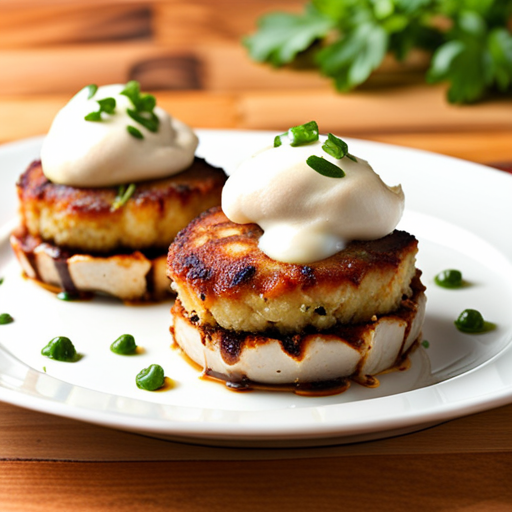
[150, 378]
[5, 318]
[449, 279]
[124, 345]
[60, 349]
[472, 321]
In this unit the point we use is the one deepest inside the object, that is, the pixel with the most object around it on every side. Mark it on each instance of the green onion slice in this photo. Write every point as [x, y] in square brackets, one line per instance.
[298, 135]
[324, 167]
[277, 140]
[335, 147]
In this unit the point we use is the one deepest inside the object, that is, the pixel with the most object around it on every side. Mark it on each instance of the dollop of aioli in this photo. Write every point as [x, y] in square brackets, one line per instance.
[305, 216]
[84, 153]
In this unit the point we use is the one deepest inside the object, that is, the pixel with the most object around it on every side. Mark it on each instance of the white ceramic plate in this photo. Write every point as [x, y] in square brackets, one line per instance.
[461, 214]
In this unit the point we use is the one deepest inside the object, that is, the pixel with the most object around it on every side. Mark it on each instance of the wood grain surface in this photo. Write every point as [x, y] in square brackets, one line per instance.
[189, 53]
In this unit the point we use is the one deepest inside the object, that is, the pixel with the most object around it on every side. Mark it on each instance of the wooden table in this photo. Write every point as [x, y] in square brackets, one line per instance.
[49, 463]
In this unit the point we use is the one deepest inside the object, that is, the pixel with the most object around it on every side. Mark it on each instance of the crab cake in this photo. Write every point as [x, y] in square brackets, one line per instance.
[78, 240]
[246, 317]
[220, 274]
[85, 219]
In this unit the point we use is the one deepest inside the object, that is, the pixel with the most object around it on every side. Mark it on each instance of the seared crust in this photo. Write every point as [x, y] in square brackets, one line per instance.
[83, 218]
[223, 278]
[355, 351]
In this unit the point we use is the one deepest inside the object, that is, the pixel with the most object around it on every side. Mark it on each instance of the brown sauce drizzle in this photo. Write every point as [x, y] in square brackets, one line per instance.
[232, 344]
[319, 388]
[312, 389]
[28, 244]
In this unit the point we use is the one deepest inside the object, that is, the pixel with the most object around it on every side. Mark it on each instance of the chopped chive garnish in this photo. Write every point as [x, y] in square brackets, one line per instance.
[335, 147]
[324, 167]
[107, 105]
[132, 92]
[134, 132]
[123, 194]
[141, 102]
[144, 105]
[93, 116]
[1, 280]
[147, 119]
[298, 135]
[425, 343]
[277, 140]
[147, 103]
[91, 88]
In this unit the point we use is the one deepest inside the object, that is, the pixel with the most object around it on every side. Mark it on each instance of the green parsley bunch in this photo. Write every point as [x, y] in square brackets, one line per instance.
[469, 41]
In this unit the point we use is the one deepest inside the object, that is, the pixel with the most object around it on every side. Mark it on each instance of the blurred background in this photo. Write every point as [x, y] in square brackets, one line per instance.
[189, 53]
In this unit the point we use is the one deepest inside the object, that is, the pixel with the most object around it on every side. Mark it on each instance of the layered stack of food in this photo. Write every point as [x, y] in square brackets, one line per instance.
[300, 280]
[296, 279]
[116, 182]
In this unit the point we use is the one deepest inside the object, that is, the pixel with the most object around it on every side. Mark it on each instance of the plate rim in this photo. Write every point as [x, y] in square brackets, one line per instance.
[236, 431]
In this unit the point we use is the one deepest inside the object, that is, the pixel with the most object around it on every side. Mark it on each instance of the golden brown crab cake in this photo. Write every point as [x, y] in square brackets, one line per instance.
[73, 239]
[83, 219]
[310, 361]
[223, 279]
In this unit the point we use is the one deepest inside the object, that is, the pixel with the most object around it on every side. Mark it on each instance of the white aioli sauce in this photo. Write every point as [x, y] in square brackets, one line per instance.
[305, 216]
[84, 153]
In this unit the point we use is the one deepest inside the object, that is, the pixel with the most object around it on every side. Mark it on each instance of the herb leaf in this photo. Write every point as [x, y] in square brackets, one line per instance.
[469, 40]
[351, 60]
[281, 36]
[324, 167]
[134, 132]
